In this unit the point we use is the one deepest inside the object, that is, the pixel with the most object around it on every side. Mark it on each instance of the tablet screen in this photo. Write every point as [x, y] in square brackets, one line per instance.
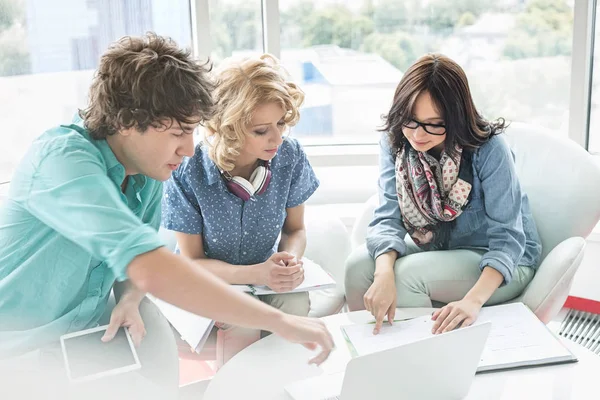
[86, 355]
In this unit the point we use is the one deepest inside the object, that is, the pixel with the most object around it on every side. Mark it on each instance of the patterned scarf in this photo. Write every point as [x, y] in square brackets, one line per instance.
[430, 193]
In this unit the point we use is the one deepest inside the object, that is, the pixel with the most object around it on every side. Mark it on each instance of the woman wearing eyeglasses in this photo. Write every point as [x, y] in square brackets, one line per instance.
[447, 184]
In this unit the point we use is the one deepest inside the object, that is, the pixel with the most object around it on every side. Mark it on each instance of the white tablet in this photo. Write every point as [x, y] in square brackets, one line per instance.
[88, 358]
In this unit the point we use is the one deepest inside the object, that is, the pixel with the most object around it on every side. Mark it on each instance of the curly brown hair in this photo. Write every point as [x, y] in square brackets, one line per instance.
[147, 80]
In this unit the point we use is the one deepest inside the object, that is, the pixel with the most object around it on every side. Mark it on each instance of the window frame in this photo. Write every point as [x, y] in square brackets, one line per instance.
[337, 154]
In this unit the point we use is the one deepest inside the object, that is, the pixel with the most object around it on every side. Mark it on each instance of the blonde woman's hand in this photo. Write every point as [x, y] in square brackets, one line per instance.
[277, 275]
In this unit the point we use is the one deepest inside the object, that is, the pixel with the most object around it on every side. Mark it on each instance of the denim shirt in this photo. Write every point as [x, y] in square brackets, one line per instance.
[497, 218]
[196, 201]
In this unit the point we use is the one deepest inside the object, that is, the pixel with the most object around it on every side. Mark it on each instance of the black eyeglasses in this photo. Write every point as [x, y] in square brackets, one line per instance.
[432, 129]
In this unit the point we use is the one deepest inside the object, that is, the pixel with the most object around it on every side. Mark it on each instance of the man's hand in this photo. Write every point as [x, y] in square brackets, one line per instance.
[310, 332]
[126, 313]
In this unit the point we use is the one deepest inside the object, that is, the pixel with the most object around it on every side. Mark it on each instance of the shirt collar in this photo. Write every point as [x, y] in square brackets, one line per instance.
[116, 170]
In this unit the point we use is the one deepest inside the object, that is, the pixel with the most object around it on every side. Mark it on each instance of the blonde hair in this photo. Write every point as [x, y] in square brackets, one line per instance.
[242, 86]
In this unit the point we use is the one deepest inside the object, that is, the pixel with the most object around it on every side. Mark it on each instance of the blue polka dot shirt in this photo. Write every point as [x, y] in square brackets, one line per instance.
[197, 201]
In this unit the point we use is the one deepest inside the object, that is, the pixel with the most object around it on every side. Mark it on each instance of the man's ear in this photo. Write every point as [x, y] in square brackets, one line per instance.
[126, 131]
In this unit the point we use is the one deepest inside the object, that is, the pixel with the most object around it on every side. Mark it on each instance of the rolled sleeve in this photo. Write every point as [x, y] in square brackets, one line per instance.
[502, 200]
[142, 240]
[180, 208]
[386, 231]
[72, 194]
[304, 181]
[501, 262]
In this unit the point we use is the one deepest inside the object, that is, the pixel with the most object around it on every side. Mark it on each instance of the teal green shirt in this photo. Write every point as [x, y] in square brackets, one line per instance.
[67, 231]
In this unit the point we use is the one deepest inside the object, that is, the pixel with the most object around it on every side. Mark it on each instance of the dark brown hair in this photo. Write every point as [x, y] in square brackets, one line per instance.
[144, 81]
[448, 87]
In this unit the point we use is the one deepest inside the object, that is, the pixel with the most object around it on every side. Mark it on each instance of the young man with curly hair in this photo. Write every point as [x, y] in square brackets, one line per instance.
[83, 211]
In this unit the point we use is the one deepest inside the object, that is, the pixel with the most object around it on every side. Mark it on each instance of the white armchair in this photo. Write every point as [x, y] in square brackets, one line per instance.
[327, 244]
[563, 184]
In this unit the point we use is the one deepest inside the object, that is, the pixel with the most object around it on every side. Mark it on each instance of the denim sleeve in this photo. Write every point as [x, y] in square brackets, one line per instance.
[180, 207]
[71, 193]
[304, 181]
[502, 201]
[386, 231]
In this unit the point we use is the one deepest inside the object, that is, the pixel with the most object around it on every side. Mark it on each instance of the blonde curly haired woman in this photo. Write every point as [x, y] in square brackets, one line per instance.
[244, 188]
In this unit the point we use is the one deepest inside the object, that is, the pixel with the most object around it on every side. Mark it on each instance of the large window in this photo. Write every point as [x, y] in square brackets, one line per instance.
[350, 55]
[48, 51]
[594, 129]
[347, 55]
[235, 28]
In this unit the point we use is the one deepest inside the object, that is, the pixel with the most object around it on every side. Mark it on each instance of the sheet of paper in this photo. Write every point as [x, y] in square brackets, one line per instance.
[193, 328]
[516, 338]
[315, 278]
[364, 342]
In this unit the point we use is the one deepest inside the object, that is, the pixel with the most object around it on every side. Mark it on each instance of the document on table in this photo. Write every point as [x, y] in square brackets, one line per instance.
[517, 338]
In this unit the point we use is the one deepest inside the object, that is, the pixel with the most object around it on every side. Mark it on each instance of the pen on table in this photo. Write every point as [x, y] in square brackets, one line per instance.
[395, 320]
[399, 320]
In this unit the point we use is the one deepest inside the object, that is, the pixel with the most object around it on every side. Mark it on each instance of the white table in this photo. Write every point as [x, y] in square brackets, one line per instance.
[263, 369]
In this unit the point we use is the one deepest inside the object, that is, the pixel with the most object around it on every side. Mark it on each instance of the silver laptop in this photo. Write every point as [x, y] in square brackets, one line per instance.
[441, 367]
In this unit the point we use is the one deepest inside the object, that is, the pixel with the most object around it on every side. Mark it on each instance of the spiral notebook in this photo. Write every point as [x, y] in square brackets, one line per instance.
[517, 338]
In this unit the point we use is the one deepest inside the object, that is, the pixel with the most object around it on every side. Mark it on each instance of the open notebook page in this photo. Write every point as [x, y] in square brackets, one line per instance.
[518, 338]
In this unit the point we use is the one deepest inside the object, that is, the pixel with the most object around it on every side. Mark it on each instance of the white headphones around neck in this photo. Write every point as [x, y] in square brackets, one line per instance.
[245, 189]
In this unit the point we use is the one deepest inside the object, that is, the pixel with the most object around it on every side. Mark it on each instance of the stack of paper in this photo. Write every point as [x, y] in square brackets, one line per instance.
[517, 338]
